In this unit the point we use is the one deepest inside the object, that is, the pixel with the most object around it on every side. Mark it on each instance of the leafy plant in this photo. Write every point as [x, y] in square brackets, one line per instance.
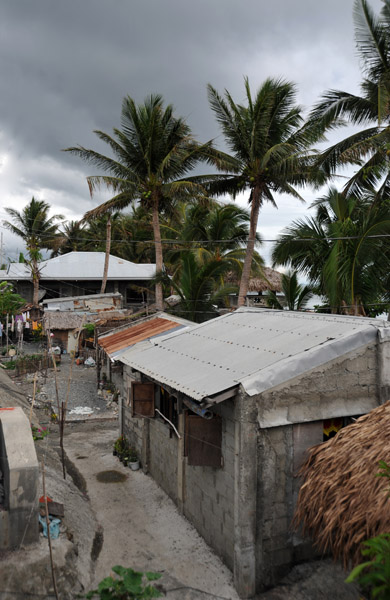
[89, 328]
[10, 365]
[39, 433]
[128, 585]
[121, 445]
[10, 302]
[374, 574]
[132, 454]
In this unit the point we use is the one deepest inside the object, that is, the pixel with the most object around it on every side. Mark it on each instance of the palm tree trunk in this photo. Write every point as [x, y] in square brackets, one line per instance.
[246, 271]
[35, 279]
[107, 257]
[159, 253]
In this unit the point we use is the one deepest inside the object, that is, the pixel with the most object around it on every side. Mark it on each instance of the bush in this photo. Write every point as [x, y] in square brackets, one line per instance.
[130, 585]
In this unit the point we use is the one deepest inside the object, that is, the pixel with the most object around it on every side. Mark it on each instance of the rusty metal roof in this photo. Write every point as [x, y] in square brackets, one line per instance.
[118, 341]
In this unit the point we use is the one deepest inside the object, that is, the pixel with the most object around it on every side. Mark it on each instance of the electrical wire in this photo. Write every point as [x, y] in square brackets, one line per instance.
[167, 241]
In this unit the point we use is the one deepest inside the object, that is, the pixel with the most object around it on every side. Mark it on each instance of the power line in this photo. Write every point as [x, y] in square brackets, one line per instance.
[224, 241]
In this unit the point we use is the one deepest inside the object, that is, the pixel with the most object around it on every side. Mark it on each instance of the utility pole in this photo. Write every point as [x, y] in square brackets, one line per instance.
[1, 250]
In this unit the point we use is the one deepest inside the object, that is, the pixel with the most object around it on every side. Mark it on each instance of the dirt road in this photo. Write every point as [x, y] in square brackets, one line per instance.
[142, 527]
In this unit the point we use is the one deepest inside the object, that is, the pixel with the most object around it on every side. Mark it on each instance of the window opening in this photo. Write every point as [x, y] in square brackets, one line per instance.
[333, 426]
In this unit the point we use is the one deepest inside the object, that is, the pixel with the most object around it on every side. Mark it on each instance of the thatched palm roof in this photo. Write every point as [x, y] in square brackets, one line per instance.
[272, 280]
[341, 502]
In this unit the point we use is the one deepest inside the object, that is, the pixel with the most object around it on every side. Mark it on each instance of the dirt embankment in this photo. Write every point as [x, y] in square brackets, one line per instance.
[25, 572]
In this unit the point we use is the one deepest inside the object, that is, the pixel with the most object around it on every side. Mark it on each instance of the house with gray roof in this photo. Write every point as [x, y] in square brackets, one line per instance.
[222, 414]
[78, 273]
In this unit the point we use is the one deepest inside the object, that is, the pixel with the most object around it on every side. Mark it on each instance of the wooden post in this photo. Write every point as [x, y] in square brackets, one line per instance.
[181, 462]
[48, 533]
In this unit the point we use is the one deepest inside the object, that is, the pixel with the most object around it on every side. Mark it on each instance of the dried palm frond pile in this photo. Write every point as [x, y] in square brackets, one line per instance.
[341, 502]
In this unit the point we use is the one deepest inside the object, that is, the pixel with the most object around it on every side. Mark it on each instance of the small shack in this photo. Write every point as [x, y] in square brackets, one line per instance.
[65, 328]
[222, 414]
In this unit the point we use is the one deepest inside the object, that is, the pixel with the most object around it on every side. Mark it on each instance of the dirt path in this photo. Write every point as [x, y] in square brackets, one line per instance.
[142, 527]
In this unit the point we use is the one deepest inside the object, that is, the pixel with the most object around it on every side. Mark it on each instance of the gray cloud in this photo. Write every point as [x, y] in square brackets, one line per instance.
[65, 67]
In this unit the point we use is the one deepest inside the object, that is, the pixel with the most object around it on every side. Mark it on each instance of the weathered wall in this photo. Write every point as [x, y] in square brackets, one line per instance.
[19, 466]
[204, 494]
[281, 451]
[339, 388]
[163, 456]
[209, 493]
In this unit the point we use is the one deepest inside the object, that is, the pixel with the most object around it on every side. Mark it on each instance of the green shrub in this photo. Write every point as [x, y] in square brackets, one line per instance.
[129, 585]
[374, 575]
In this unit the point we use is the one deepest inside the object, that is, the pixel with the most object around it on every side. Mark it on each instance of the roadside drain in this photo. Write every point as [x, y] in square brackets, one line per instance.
[110, 477]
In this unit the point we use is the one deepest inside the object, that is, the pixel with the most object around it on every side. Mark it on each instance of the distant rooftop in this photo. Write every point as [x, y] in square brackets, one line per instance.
[82, 266]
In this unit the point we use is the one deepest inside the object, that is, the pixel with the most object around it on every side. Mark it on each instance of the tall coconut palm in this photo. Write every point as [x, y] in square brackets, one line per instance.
[154, 151]
[214, 232]
[369, 147]
[38, 231]
[270, 150]
[72, 238]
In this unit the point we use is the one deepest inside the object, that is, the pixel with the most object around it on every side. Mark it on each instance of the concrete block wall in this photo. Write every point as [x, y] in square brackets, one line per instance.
[209, 493]
[342, 387]
[132, 428]
[281, 453]
[163, 456]
[274, 548]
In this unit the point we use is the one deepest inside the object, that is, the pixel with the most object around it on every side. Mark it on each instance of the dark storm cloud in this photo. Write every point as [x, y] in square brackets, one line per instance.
[65, 67]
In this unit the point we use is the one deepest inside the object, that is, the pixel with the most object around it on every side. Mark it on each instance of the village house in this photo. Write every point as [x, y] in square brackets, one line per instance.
[65, 317]
[80, 273]
[222, 414]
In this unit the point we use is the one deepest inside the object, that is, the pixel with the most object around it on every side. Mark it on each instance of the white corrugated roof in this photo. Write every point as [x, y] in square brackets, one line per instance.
[83, 266]
[257, 348]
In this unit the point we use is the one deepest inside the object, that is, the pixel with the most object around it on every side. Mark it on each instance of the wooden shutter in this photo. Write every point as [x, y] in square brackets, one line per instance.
[142, 399]
[203, 441]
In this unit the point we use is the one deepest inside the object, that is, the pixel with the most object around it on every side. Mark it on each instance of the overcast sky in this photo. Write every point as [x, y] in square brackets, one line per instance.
[66, 65]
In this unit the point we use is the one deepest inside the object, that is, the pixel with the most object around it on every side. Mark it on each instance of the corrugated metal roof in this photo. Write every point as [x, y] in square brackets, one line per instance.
[83, 266]
[118, 341]
[257, 348]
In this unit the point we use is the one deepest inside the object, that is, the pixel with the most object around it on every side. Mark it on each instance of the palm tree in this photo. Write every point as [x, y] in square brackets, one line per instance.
[296, 295]
[198, 286]
[213, 231]
[72, 238]
[368, 148]
[270, 150]
[341, 249]
[37, 231]
[154, 151]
